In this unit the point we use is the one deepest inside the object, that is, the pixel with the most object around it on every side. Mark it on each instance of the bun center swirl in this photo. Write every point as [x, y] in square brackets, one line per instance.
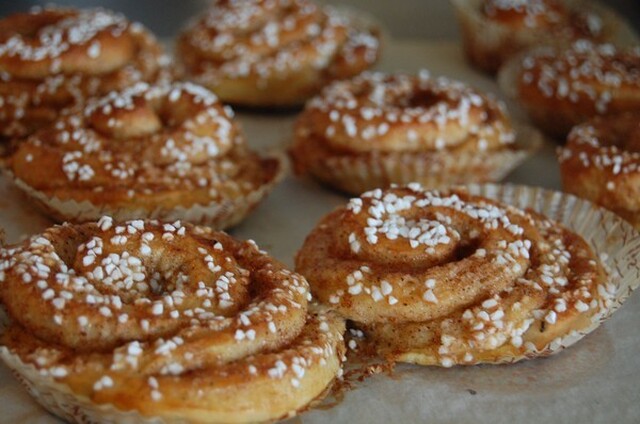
[457, 251]
[178, 122]
[145, 138]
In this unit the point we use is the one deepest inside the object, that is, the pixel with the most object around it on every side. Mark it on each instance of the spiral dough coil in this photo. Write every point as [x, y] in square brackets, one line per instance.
[450, 278]
[55, 58]
[147, 151]
[274, 53]
[167, 320]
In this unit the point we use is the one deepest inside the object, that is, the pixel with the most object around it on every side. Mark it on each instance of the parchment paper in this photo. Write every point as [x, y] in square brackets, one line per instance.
[597, 380]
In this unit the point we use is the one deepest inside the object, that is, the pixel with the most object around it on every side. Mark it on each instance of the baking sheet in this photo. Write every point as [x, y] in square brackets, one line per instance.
[597, 380]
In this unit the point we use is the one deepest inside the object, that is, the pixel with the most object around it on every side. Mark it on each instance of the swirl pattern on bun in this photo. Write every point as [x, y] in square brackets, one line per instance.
[54, 58]
[445, 278]
[163, 321]
[274, 53]
[170, 151]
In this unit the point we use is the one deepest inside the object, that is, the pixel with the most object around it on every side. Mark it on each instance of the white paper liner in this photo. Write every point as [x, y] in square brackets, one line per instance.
[217, 214]
[357, 174]
[488, 44]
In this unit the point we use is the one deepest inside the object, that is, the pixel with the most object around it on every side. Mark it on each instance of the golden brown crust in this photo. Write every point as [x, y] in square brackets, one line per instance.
[146, 148]
[111, 313]
[495, 30]
[449, 278]
[562, 88]
[273, 54]
[54, 58]
[601, 162]
[375, 119]
[545, 15]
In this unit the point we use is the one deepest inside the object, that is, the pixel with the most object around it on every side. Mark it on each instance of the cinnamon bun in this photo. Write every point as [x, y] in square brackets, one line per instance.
[274, 53]
[144, 320]
[561, 88]
[54, 58]
[170, 152]
[445, 278]
[601, 162]
[378, 129]
[495, 30]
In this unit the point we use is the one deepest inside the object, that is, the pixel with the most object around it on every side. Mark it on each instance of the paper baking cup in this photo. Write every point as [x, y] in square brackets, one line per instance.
[357, 174]
[613, 240]
[488, 44]
[218, 215]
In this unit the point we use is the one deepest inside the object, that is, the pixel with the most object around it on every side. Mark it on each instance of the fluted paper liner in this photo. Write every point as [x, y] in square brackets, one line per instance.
[218, 214]
[487, 44]
[613, 239]
[357, 174]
